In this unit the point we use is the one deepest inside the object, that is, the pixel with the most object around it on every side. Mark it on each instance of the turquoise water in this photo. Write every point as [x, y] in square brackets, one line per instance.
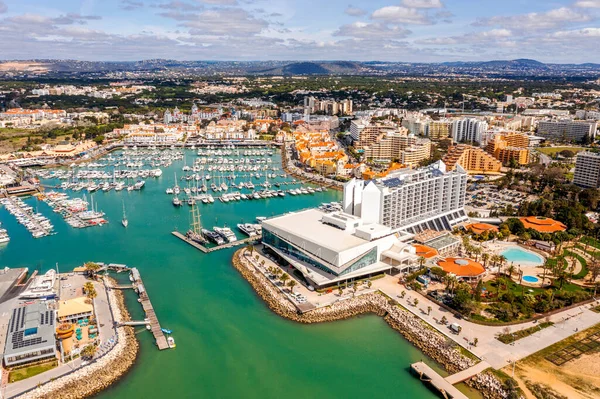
[531, 279]
[229, 344]
[520, 255]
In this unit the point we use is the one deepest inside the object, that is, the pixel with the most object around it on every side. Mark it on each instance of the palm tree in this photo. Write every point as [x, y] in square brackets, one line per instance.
[421, 261]
[511, 270]
[485, 257]
[369, 284]
[292, 284]
[475, 341]
[340, 291]
[91, 269]
[89, 351]
[428, 310]
[250, 248]
[477, 251]
[444, 320]
[416, 302]
[284, 277]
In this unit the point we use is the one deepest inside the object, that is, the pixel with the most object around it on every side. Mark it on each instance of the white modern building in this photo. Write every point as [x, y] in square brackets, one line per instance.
[329, 248]
[587, 170]
[468, 130]
[567, 130]
[410, 200]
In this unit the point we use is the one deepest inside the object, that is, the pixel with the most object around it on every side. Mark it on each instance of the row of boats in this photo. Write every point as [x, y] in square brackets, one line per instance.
[91, 186]
[37, 224]
[74, 210]
[4, 238]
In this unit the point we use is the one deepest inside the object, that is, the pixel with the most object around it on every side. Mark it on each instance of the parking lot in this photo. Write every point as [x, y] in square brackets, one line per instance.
[485, 197]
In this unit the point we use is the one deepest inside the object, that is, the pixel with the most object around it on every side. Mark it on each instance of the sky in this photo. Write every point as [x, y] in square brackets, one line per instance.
[385, 30]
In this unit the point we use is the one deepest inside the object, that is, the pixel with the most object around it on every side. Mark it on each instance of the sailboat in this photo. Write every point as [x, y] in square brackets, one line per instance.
[124, 221]
[195, 231]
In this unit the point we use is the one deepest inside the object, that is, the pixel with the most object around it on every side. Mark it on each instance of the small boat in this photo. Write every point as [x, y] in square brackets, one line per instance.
[166, 331]
[176, 201]
[124, 221]
[171, 342]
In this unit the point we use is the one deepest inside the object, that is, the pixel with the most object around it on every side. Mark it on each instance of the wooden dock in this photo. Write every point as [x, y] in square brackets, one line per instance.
[436, 381]
[206, 250]
[159, 336]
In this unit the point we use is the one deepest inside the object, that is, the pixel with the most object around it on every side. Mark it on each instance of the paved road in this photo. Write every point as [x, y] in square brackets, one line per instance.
[496, 353]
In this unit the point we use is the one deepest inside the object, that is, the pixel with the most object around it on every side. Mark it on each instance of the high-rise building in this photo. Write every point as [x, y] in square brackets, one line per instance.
[468, 130]
[587, 170]
[472, 159]
[410, 200]
[567, 130]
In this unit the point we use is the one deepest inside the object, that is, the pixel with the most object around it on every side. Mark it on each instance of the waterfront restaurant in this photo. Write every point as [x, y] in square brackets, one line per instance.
[30, 335]
[330, 248]
[73, 310]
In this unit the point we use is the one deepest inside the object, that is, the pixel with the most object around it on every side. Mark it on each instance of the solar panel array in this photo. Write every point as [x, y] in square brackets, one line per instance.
[18, 341]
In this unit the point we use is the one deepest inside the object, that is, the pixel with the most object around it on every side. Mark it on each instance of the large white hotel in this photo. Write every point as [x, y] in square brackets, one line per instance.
[374, 232]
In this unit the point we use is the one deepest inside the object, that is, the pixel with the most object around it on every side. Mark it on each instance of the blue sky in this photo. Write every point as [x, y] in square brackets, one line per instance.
[401, 30]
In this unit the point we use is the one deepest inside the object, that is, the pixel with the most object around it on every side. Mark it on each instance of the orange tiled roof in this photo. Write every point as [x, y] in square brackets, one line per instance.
[462, 267]
[543, 225]
[479, 228]
[425, 251]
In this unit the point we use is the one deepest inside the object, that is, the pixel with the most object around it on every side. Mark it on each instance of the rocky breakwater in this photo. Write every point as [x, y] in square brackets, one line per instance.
[427, 339]
[100, 374]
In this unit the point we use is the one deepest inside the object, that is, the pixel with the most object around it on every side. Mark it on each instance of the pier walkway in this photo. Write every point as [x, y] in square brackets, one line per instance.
[206, 250]
[159, 336]
[429, 376]
[468, 373]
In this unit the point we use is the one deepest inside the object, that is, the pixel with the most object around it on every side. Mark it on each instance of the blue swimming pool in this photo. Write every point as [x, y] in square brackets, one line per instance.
[522, 256]
[531, 279]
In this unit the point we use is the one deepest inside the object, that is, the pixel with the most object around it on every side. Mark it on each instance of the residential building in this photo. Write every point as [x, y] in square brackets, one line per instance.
[365, 133]
[472, 159]
[567, 130]
[406, 148]
[439, 130]
[30, 335]
[508, 146]
[468, 130]
[587, 169]
[410, 200]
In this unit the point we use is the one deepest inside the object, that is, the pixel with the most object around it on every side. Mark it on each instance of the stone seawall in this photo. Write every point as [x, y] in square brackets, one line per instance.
[428, 340]
[99, 375]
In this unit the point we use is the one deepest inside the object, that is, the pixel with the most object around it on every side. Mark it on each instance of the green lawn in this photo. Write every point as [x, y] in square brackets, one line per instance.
[26, 372]
[553, 150]
[584, 269]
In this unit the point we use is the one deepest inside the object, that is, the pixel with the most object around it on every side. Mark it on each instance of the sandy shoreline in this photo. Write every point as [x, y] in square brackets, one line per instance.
[423, 336]
[97, 376]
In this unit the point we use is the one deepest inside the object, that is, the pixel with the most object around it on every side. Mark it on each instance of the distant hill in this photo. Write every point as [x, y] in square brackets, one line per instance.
[502, 68]
[317, 68]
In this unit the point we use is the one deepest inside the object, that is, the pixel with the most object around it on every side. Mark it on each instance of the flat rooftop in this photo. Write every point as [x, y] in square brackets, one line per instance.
[307, 225]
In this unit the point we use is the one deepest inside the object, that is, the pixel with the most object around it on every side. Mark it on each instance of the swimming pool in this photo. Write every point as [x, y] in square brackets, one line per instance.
[522, 256]
[531, 279]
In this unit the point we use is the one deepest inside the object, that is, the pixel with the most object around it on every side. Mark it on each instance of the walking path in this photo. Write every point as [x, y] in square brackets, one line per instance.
[488, 348]
[468, 373]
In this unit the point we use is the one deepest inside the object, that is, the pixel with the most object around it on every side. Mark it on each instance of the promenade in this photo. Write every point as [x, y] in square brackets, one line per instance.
[489, 349]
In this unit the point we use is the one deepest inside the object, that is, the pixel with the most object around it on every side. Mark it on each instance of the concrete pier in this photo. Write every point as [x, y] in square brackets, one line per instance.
[436, 381]
[218, 247]
[159, 336]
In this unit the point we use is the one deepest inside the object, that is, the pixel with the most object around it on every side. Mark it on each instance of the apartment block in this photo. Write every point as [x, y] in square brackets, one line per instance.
[567, 130]
[508, 146]
[587, 170]
[472, 159]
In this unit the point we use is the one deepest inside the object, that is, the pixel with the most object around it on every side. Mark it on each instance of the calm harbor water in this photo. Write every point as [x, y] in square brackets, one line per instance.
[229, 344]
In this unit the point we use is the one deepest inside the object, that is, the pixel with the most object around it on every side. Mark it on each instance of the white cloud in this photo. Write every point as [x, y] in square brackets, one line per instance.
[537, 21]
[130, 5]
[225, 22]
[422, 3]
[3, 7]
[497, 33]
[355, 11]
[579, 33]
[398, 14]
[375, 31]
[220, 2]
[588, 4]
